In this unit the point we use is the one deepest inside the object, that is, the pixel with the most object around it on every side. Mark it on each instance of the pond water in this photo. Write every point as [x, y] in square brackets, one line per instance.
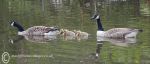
[74, 15]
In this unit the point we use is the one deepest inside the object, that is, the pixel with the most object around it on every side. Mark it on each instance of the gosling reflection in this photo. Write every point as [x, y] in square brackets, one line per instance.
[80, 38]
[119, 42]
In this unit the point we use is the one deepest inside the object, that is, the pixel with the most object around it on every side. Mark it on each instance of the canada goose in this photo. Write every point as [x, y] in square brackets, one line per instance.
[35, 30]
[115, 32]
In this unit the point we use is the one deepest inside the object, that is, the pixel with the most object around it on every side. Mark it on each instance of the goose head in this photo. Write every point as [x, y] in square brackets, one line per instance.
[13, 23]
[17, 25]
[95, 16]
[99, 24]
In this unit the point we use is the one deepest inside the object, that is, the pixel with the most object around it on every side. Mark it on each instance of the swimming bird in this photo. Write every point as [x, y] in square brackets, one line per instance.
[35, 30]
[115, 32]
[80, 34]
[67, 34]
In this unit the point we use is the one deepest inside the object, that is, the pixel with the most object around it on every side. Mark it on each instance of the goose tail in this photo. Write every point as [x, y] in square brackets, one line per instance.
[140, 30]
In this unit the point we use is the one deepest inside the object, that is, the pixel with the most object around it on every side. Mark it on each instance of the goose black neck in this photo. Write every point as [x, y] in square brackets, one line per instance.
[19, 27]
[99, 46]
[99, 24]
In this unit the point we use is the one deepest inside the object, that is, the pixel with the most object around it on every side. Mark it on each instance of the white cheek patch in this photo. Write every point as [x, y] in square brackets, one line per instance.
[12, 24]
[97, 17]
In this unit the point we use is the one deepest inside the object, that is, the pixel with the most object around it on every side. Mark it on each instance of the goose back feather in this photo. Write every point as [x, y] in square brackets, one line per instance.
[38, 30]
[121, 32]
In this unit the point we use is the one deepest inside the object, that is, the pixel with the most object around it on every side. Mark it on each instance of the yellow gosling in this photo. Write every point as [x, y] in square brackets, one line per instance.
[81, 35]
[67, 35]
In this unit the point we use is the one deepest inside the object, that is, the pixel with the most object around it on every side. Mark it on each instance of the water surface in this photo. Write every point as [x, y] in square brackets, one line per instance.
[75, 14]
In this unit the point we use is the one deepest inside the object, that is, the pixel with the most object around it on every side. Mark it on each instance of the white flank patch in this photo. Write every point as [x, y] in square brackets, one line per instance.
[133, 34]
[100, 33]
[21, 33]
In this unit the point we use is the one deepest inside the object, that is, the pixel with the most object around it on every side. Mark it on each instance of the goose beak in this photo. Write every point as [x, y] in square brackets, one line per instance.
[92, 17]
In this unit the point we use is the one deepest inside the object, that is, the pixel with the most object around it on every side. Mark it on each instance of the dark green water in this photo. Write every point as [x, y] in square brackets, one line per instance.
[74, 14]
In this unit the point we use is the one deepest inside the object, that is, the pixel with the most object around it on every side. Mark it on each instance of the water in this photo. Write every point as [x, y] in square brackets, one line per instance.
[75, 14]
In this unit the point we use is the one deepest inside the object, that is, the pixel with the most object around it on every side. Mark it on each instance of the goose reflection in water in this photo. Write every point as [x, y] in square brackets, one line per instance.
[93, 57]
[36, 39]
[16, 39]
[41, 39]
[118, 42]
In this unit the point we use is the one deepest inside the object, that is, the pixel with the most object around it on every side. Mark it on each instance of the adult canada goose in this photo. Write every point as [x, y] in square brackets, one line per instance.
[115, 32]
[35, 30]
